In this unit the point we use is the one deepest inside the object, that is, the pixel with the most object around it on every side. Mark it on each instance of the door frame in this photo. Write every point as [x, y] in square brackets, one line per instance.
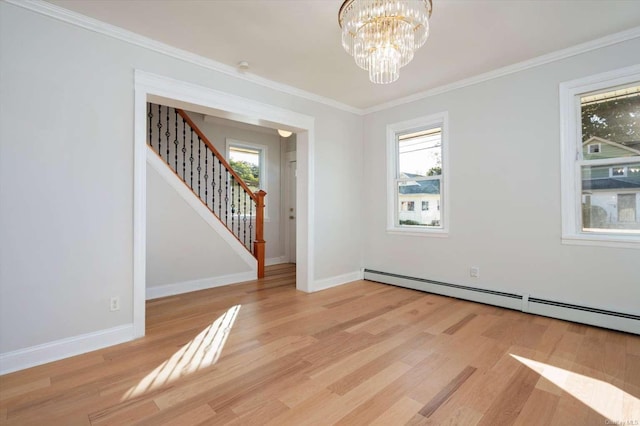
[155, 88]
[287, 159]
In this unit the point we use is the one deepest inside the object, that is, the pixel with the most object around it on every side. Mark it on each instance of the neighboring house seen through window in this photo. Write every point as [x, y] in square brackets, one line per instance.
[601, 146]
[416, 170]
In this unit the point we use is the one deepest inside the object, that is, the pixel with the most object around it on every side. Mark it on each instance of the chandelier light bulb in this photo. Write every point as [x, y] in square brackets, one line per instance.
[383, 35]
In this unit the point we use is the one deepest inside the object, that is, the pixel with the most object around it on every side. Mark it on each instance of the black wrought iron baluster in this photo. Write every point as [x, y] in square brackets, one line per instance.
[150, 115]
[219, 188]
[191, 160]
[184, 148]
[159, 130]
[244, 219]
[240, 188]
[167, 133]
[233, 211]
[251, 225]
[199, 169]
[206, 176]
[226, 197]
[213, 182]
[175, 142]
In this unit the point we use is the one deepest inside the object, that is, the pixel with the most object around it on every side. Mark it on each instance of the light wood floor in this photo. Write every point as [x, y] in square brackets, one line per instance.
[362, 353]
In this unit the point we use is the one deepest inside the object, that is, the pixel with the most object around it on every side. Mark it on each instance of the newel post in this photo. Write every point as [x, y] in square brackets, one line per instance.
[259, 244]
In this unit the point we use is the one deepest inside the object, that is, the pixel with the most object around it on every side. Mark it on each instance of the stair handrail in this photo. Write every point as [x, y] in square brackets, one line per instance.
[220, 157]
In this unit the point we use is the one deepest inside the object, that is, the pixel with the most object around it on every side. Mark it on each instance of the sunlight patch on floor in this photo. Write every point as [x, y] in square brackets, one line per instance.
[610, 401]
[201, 352]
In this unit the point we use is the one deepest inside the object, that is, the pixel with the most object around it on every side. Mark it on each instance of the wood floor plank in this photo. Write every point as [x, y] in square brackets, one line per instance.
[446, 392]
[399, 413]
[538, 410]
[358, 354]
[507, 407]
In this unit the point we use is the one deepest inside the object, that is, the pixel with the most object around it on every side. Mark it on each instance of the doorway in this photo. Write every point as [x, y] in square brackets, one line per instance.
[163, 90]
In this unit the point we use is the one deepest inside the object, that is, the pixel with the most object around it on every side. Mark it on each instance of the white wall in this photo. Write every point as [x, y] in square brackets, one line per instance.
[181, 246]
[66, 175]
[505, 193]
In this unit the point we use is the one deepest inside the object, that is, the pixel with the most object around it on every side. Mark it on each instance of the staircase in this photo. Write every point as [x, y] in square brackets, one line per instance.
[175, 138]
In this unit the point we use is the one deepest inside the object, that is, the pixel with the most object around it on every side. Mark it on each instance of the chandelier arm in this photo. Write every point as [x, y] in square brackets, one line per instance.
[347, 3]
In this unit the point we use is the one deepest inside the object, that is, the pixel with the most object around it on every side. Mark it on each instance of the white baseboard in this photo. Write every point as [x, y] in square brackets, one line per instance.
[64, 348]
[156, 292]
[599, 317]
[326, 283]
[275, 261]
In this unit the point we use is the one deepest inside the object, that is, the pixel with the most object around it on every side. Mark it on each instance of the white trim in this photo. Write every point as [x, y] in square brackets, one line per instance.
[571, 154]
[139, 209]
[165, 290]
[74, 18]
[596, 240]
[275, 261]
[64, 348]
[337, 280]
[149, 85]
[599, 43]
[518, 302]
[441, 120]
[159, 165]
[100, 27]
[411, 232]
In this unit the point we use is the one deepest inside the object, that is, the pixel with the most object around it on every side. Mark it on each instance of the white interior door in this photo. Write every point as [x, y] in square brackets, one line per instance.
[291, 210]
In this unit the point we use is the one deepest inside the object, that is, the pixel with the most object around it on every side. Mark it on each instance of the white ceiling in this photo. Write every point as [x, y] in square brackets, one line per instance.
[297, 42]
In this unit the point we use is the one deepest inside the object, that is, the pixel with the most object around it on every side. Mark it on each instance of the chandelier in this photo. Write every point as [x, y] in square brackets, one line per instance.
[382, 35]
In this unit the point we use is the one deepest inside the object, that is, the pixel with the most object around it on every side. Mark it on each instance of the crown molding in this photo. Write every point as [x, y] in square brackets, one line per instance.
[44, 8]
[514, 68]
[65, 15]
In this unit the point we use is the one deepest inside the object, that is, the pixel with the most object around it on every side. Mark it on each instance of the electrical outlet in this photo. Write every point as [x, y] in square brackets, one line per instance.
[114, 304]
[474, 272]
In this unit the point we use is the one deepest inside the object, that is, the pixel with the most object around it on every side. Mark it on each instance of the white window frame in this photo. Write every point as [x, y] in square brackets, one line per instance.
[262, 182]
[591, 145]
[571, 157]
[624, 171]
[393, 131]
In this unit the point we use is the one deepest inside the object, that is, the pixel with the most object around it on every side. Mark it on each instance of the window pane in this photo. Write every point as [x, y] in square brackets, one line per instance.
[611, 124]
[420, 154]
[246, 162]
[611, 198]
[419, 193]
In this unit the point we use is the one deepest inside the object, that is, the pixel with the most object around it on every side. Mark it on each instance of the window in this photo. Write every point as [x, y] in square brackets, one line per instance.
[416, 170]
[407, 206]
[618, 171]
[247, 160]
[600, 119]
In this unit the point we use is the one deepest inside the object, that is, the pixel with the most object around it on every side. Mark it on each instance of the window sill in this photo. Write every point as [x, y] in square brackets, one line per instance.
[435, 233]
[608, 240]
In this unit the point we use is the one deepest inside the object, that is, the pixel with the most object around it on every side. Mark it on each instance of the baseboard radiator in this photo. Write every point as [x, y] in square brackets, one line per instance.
[626, 322]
